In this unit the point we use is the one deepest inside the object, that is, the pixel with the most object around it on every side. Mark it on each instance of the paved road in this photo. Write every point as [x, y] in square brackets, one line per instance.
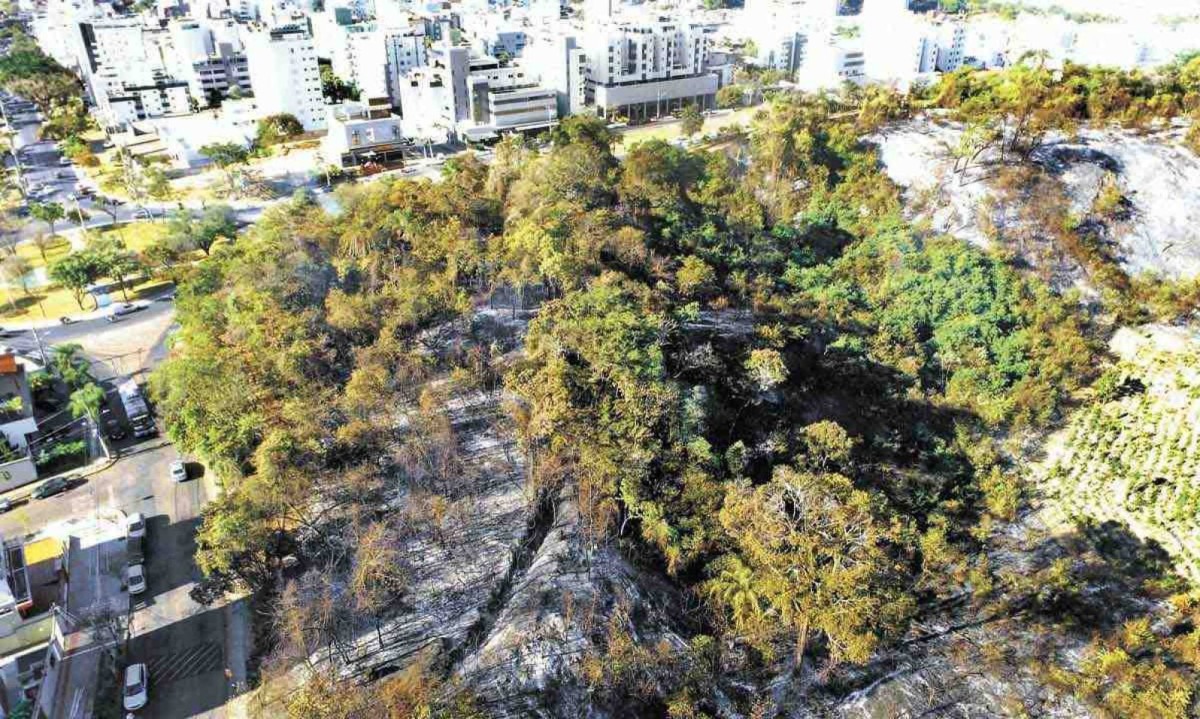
[24, 341]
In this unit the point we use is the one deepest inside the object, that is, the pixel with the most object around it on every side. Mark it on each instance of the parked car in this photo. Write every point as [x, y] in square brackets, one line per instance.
[5, 504]
[135, 579]
[64, 161]
[51, 487]
[65, 175]
[137, 687]
[179, 471]
[135, 525]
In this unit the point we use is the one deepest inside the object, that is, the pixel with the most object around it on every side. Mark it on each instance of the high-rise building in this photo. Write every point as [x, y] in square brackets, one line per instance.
[284, 74]
[123, 68]
[640, 69]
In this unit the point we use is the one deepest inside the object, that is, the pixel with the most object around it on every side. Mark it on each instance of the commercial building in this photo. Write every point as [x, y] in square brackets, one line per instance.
[284, 74]
[361, 132]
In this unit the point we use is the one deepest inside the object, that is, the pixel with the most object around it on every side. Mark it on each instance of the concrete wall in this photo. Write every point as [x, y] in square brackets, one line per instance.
[17, 473]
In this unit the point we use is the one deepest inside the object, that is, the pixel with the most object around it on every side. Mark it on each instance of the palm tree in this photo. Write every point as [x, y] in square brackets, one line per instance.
[86, 401]
[734, 587]
[71, 366]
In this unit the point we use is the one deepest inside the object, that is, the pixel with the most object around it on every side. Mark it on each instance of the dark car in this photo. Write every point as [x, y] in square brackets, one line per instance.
[51, 487]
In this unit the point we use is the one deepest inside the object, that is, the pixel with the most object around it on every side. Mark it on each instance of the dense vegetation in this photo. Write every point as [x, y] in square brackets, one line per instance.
[755, 379]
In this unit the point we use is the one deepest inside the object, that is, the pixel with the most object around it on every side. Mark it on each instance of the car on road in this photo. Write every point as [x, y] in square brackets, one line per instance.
[51, 487]
[64, 162]
[143, 213]
[137, 687]
[5, 504]
[135, 525]
[120, 310]
[64, 175]
[179, 471]
[135, 579]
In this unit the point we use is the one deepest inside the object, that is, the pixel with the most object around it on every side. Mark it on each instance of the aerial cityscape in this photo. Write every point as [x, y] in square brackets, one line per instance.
[677, 359]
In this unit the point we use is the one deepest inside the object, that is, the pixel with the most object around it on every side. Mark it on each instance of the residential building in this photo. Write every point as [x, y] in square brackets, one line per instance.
[371, 55]
[211, 64]
[640, 69]
[123, 68]
[284, 74]
[32, 581]
[782, 49]
[359, 55]
[360, 132]
[17, 423]
[473, 98]
[561, 65]
[832, 60]
[901, 46]
[405, 48]
[951, 38]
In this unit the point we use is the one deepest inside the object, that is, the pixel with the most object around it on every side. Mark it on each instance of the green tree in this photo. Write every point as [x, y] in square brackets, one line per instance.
[226, 156]
[334, 88]
[69, 365]
[186, 233]
[28, 72]
[691, 121]
[76, 271]
[112, 259]
[816, 551]
[275, 129]
[156, 183]
[48, 212]
[15, 269]
[86, 401]
[731, 96]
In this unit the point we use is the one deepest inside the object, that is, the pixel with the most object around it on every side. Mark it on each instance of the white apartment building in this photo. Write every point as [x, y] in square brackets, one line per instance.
[284, 74]
[56, 29]
[211, 64]
[951, 39]
[900, 45]
[473, 98]
[562, 66]
[831, 60]
[361, 132]
[782, 48]
[405, 48]
[123, 67]
[359, 55]
[639, 69]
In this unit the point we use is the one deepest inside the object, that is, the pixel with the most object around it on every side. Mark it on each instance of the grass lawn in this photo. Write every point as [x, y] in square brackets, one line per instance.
[53, 302]
[137, 236]
[670, 130]
[56, 247]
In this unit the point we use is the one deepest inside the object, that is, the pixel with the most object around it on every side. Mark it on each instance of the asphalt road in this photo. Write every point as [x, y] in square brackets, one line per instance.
[24, 341]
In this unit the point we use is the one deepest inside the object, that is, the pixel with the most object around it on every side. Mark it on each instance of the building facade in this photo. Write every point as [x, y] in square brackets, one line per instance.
[284, 74]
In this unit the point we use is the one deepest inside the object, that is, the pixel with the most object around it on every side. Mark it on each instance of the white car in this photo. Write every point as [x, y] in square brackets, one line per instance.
[137, 687]
[135, 579]
[135, 525]
[179, 471]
